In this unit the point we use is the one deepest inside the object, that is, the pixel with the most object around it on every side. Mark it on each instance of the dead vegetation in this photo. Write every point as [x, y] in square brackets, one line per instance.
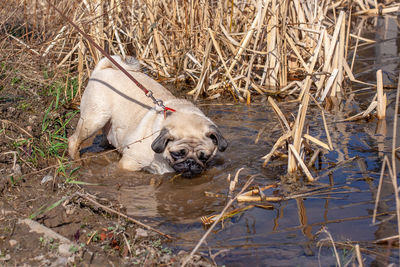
[297, 51]
[291, 49]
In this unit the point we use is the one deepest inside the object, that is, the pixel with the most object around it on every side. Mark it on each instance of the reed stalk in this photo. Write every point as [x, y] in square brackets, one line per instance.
[221, 49]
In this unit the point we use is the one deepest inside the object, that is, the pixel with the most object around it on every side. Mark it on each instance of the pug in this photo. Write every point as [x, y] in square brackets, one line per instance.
[148, 138]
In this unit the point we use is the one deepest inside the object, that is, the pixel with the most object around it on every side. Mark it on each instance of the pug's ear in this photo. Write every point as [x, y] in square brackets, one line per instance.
[160, 143]
[217, 138]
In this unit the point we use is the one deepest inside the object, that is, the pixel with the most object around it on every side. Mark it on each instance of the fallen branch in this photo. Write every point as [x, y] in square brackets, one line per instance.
[110, 210]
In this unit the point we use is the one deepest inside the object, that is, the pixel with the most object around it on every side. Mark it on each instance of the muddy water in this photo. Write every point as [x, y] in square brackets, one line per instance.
[342, 201]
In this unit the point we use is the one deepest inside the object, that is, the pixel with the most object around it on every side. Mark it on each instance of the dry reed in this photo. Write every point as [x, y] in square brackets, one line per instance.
[235, 49]
[220, 47]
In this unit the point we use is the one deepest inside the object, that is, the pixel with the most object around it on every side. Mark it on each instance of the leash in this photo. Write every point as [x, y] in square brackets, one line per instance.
[147, 92]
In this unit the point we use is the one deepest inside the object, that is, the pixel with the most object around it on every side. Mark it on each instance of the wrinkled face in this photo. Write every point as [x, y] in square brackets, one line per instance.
[188, 142]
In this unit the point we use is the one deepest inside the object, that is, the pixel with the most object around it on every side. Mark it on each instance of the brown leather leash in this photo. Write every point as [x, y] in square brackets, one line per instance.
[147, 92]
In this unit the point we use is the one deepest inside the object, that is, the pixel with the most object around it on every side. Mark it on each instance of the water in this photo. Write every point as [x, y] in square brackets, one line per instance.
[287, 235]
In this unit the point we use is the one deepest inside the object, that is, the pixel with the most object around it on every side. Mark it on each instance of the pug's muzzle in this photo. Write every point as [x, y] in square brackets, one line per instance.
[189, 156]
[189, 167]
[187, 163]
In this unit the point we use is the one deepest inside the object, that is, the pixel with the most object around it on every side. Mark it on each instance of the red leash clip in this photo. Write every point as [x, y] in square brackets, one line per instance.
[166, 109]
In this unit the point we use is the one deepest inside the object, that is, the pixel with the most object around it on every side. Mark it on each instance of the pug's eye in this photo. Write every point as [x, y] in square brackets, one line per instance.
[203, 157]
[178, 154]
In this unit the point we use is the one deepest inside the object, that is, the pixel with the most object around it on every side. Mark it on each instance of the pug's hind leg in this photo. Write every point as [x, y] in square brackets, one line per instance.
[87, 127]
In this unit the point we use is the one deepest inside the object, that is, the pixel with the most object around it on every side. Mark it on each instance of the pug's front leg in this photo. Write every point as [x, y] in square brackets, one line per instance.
[127, 163]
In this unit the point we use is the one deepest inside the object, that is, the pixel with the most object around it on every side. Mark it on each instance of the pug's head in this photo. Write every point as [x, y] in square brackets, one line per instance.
[188, 142]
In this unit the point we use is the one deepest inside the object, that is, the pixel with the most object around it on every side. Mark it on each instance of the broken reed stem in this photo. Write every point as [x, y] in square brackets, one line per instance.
[358, 255]
[228, 73]
[381, 97]
[299, 126]
[385, 163]
[248, 182]
[328, 135]
[316, 141]
[277, 144]
[279, 113]
[330, 239]
[256, 195]
[302, 165]
[233, 183]
[355, 50]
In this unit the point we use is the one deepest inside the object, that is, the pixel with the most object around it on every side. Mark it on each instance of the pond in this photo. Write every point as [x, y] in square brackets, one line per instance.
[341, 201]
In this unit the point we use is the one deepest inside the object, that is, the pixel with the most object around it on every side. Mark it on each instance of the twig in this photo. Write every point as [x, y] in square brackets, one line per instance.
[22, 43]
[60, 33]
[216, 221]
[85, 196]
[21, 129]
[217, 48]
[340, 164]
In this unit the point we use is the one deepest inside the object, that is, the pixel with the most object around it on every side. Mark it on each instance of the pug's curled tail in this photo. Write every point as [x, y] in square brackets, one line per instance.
[131, 63]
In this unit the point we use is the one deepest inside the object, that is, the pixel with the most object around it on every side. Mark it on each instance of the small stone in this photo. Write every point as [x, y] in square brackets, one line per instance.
[12, 242]
[165, 258]
[39, 258]
[182, 252]
[32, 119]
[46, 178]
[141, 233]
[138, 251]
[5, 258]
[17, 170]
[60, 261]
[64, 250]
[70, 209]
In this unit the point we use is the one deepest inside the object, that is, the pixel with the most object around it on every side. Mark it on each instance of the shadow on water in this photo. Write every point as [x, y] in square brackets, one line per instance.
[288, 234]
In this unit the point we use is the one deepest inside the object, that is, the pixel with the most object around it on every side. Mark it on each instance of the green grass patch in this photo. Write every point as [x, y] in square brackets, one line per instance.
[52, 143]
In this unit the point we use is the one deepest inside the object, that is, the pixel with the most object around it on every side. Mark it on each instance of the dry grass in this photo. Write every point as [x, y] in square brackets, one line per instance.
[223, 49]
[241, 48]
[294, 49]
